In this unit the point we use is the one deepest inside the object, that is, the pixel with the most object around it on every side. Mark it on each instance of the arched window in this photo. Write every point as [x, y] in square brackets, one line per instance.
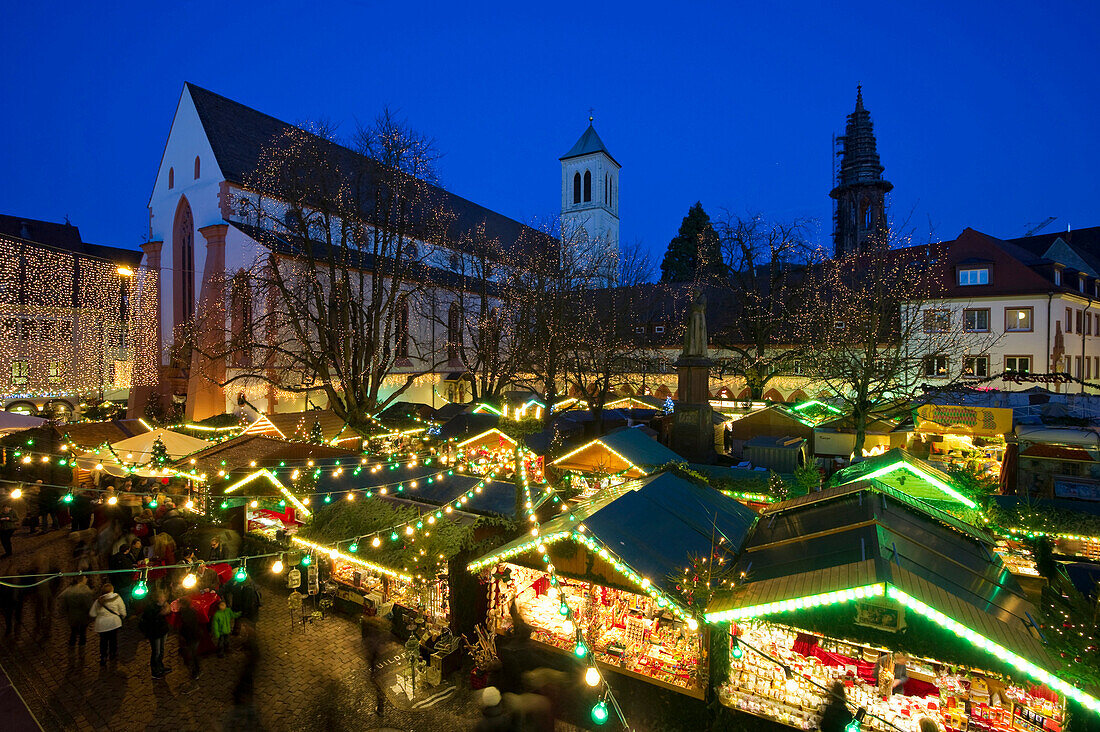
[610, 191]
[587, 186]
[868, 217]
[183, 265]
[576, 188]
[196, 167]
[401, 329]
[454, 332]
[171, 178]
[607, 189]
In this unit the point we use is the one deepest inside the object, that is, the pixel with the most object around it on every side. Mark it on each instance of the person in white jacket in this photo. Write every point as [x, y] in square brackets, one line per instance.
[108, 611]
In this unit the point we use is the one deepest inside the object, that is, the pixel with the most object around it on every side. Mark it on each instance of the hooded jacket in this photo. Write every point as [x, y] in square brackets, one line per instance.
[108, 611]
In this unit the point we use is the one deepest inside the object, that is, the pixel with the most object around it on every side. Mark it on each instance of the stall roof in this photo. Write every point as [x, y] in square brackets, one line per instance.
[93, 434]
[491, 439]
[468, 423]
[865, 536]
[298, 425]
[497, 497]
[13, 422]
[626, 449]
[653, 525]
[906, 473]
[239, 452]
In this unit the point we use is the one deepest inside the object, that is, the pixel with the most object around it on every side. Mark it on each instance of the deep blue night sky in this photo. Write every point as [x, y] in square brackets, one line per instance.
[986, 116]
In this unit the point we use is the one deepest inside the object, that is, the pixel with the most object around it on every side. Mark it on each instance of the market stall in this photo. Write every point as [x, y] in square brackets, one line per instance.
[962, 435]
[619, 557]
[488, 451]
[614, 457]
[837, 580]
[900, 470]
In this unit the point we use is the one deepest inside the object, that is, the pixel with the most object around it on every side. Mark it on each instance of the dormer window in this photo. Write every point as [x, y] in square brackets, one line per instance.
[1058, 276]
[974, 276]
[1080, 283]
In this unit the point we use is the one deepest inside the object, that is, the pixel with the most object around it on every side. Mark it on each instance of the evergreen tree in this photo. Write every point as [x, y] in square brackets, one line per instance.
[316, 435]
[695, 252]
[158, 453]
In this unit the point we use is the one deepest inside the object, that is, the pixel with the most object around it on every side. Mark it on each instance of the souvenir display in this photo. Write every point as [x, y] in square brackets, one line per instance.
[626, 631]
[957, 699]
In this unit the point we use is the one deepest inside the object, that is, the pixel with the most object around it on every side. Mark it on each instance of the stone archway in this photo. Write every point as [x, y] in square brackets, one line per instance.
[773, 395]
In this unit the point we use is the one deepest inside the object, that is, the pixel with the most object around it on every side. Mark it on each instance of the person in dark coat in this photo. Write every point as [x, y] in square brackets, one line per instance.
[190, 633]
[75, 601]
[374, 631]
[49, 507]
[122, 559]
[217, 551]
[80, 510]
[836, 715]
[8, 524]
[154, 626]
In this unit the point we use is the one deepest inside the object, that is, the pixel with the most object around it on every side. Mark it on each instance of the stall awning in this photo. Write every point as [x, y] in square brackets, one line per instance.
[650, 526]
[901, 471]
[137, 450]
[627, 451]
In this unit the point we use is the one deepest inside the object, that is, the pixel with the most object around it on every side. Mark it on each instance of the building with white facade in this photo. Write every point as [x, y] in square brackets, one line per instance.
[205, 230]
[1013, 307]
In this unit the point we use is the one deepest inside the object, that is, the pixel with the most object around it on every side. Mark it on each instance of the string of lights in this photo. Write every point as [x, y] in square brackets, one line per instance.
[593, 676]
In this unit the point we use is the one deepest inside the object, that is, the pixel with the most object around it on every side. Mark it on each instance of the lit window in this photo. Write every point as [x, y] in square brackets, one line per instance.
[1019, 364]
[20, 372]
[1081, 283]
[974, 276]
[935, 367]
[976, 320]
[54, 372]
[1017, 319]
[975, 367]
[658, 329]
[937, 321]
[1057, 276]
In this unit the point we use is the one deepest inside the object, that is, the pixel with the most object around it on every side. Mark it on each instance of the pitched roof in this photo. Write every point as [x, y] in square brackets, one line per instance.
[297, 425]
[866, 536]
[902, 471]
[65, 237]
[626, 449]
[690, 520]
[238, 454]
[589, 142]
[238, 135]
[94, 434]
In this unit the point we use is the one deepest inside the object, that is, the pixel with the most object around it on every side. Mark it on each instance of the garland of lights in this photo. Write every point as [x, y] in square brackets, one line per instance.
[79, 339]
[592, 675]
[927, 611]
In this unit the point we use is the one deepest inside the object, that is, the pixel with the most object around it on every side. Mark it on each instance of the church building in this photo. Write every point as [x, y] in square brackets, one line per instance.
[860, 192]
[202, 237]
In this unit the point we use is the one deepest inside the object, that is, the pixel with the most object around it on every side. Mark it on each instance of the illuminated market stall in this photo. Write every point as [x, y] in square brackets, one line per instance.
[900, 470]
[620, 559]
[835, 582]
[616, 456]
[962, 435]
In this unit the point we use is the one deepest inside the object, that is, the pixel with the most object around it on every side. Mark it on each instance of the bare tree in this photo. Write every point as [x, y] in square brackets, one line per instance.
[603, 352]
[875, 340]
[345, 236]
[766, 288]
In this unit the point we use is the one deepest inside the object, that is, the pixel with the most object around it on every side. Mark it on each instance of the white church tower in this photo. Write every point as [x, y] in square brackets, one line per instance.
[590, 191]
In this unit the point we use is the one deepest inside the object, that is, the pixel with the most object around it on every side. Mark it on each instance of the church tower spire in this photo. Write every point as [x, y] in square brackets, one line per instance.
[860, 193]
[590, 192]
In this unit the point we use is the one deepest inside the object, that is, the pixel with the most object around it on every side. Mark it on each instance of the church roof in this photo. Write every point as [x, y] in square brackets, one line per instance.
[239, 134]
[587, 144]
[63, 236]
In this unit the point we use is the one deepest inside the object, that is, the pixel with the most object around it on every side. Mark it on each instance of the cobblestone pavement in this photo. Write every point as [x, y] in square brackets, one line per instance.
[306, 679]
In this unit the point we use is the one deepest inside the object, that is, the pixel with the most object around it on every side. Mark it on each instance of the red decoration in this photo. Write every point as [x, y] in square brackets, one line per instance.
[164, 481]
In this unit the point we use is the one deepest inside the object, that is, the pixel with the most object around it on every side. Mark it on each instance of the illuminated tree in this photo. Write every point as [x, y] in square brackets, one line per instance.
[765, 286]
[158, 453]
[344, 238]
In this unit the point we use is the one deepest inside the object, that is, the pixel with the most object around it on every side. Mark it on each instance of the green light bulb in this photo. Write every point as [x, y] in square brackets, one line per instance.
[241, 574]
[353, 547]
[581, 650]
[599, 712]
[140, 590]
[67, 498]
[306, 560]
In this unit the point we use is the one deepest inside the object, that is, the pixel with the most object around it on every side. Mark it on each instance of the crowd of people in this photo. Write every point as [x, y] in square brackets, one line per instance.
[112, 546]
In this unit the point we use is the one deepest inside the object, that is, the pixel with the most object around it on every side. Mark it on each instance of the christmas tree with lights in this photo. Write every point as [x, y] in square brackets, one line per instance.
[316, 435]
[158, 454]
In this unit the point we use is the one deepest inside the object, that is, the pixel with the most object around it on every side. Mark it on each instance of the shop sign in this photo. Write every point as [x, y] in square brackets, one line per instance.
[942, 419]
[880, 616]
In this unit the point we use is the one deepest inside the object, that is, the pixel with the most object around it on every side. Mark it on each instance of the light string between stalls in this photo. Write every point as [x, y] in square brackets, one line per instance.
[593, 676]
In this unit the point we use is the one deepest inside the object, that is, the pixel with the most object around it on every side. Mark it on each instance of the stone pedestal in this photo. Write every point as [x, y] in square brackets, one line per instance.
[693, 421]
